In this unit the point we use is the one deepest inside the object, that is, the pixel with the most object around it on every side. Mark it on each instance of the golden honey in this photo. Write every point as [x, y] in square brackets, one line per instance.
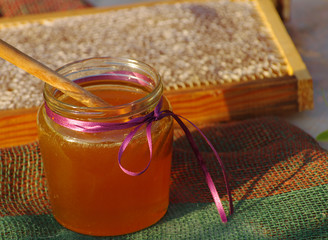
[88, 190]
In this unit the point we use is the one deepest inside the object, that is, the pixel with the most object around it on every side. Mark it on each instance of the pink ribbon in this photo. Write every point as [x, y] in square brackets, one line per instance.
[147, 120]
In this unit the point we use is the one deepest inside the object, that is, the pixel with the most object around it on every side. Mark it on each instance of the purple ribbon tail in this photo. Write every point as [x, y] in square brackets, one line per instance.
[159, 115]
[202, 164]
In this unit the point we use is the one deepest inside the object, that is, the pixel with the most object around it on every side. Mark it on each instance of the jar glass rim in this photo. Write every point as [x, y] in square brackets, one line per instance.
[99, 64]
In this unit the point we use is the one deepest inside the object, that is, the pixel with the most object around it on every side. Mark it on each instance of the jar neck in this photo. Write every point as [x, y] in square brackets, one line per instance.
[120, 74]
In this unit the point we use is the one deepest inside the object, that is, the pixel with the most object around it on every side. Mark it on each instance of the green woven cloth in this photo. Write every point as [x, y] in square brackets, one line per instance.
[278, 176]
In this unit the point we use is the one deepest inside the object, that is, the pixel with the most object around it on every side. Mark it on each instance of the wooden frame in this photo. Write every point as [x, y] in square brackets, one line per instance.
[202, 104]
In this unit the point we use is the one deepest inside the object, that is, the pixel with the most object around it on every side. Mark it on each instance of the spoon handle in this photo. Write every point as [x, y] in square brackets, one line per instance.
[39, 70]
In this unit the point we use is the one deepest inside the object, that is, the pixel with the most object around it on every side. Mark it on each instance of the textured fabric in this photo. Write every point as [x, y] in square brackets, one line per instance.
[11, 8]
[278, 176]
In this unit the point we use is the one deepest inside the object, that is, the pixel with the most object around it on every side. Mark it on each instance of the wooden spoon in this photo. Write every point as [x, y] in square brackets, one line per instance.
[39, 70]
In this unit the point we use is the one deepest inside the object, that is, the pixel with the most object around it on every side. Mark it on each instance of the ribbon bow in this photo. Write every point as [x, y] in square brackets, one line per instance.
[156, 115]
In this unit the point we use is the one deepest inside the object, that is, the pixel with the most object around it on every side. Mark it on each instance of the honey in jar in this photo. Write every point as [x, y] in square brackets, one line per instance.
[88, 189]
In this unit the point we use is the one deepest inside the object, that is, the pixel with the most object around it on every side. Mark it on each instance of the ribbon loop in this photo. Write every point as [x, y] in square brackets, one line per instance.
[125, 143]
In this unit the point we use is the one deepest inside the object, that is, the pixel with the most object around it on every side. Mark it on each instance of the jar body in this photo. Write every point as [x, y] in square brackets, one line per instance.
[88, 190]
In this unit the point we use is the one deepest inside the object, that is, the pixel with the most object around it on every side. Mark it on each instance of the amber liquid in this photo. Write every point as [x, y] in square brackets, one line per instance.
[89, 193]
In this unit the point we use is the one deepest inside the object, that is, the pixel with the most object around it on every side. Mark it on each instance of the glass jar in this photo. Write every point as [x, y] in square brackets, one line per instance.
[89, 192]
